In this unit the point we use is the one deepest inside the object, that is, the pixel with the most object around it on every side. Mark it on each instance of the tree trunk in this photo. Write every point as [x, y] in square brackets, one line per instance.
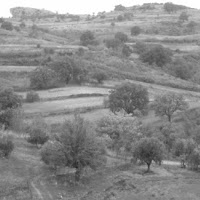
[169, 118]
[148, 165]
[77, 174]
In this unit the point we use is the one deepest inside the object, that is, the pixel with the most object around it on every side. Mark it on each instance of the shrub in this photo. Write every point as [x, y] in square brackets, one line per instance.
[123, 131]
[158, 55]
[100, 76]
[126, 51]
[43, 78]
[87, 38]
[120, 18]
[181, 69]
[22, 25]
[7, 26]
[128, 97]
[121, 37]
[1, 20]
[32, 96]
[38, 132]
[136, 30]
[6, 144]
[148, 150]
[48, 50]
[63, 69]
[76, 147]
[38, 46]
[183, 17]
[140, 47]
[113, 43]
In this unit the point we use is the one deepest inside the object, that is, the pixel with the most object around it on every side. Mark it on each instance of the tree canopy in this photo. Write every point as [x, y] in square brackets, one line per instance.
[168, 104]
[128, 97]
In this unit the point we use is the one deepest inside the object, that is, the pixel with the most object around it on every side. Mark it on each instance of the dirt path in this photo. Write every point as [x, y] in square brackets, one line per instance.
[37, 191]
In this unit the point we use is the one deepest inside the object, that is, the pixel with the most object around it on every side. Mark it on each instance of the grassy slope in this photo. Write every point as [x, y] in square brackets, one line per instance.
[24, 175]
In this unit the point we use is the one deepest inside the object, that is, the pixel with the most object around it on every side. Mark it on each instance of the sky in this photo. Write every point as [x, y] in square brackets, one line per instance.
[82, 6]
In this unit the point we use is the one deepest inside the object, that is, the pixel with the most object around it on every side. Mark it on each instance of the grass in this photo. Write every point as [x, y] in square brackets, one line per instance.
[23, 175]
[68, 91]
[61, 105]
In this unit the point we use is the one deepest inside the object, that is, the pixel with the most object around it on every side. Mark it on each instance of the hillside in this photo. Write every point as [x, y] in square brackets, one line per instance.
[66, 65]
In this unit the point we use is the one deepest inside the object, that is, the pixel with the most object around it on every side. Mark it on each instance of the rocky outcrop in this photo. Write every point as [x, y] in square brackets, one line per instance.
[25, 12]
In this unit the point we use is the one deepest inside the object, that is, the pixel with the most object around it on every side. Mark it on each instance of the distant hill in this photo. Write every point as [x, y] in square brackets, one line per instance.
[19, 12]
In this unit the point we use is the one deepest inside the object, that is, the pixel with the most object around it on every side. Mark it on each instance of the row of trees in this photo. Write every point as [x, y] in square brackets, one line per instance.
[131, 99]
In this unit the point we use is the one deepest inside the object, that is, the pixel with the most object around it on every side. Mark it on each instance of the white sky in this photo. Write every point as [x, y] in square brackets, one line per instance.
[82, 6]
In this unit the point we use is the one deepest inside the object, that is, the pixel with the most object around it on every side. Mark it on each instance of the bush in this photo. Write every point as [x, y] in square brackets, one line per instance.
[183, 17]
[22, 25]
[6, 144]
[121, 37]
[38, 132]
[136, 30]
[128, 97]
[87, 38]
[120, 18]
[126, 51]
[8, 99]
[181, 69]
[43, 78]
[32, 96]
[48, 50]
[123, 131]
[113, 43]
[100, 76]
[158, 55]
[7, 26]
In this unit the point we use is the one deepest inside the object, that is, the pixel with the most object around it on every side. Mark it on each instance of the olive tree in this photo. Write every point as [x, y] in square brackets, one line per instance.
[168, 104]
[148, 150]
[128, 97]
[76, 147]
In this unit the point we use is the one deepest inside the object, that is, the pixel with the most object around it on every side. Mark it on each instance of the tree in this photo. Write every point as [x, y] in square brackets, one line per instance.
[87, 38]
[63, 68]
[100, 76]
[158, 55]
[9, 101]
[80, 146]
[43, 78]
[136, 30]
[126, 51]
[6, 144]
[121, 37]
[148, 150]
[183, 17]
[191, 25]
[128, 97]
[7, 26]
[168, 104]
[181, 69]
[38, 132]
[123, 132]
[120, 8]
